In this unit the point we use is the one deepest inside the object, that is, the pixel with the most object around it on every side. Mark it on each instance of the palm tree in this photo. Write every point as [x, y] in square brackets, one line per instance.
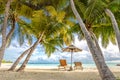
[51, 30]
[110, 12]
[104, 71]
[38, 21]
[15, 18]
[115, 26]
[2, 48]
[38, 5]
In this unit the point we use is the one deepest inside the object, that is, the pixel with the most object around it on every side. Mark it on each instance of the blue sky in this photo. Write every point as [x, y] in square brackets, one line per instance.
[111, 53]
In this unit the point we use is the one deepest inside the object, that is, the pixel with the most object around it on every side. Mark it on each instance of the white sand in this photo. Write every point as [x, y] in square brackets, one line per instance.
[52, 73]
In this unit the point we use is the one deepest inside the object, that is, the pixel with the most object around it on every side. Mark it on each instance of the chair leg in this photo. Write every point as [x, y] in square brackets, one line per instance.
[81, 68]
[74, 68]
[65, 68]
[58, 68]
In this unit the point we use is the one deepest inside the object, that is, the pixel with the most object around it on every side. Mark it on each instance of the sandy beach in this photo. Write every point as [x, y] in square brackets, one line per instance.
[52, 73]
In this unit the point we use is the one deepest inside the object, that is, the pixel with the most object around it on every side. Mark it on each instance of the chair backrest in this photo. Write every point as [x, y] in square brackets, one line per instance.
[63, 62]
[78, 63]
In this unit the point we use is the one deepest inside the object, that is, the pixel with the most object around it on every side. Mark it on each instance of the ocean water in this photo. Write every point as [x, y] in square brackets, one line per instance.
[85, 65]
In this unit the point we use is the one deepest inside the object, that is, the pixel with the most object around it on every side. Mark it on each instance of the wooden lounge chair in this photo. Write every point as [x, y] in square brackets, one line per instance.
[78, 65]
[63, 64]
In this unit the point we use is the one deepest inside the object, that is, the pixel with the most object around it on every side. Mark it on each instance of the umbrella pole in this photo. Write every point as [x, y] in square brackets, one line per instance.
[71, 60]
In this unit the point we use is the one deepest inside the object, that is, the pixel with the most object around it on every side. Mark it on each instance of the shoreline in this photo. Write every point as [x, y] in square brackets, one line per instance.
[86, 69]
[52, 73]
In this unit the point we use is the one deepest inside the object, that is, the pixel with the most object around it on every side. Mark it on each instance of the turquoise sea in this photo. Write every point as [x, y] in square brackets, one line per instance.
[85, 65]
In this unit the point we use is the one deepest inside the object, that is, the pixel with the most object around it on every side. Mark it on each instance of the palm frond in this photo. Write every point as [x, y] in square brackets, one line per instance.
[81, 5]
[116, 4]
[2, 6]
[51, 45]
[106, 33]
[60, 16]
[24, 10]
[61, 4]
[52, 11]
[95, 9]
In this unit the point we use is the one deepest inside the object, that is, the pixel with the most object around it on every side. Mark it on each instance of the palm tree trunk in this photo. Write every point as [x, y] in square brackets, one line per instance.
[9, 35]
[30, 53]
[96, 42]
[12, 68]
[104, 71]
[2, 48]
[115, 26]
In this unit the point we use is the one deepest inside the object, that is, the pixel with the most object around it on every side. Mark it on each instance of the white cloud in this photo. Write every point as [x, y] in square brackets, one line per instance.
[111, 53]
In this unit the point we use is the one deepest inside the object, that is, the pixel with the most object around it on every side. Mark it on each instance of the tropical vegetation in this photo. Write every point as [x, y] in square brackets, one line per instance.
[53, 24]
[4, 61]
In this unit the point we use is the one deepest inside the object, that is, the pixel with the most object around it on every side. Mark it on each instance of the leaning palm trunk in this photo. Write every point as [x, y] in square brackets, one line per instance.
[104, 71]
[2, 48]
[9, 35]
[115, 26]
[30, 53]
[12, 68]
[96, 42]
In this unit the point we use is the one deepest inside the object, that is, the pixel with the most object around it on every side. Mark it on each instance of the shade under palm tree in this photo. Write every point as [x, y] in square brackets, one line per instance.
[71, 49]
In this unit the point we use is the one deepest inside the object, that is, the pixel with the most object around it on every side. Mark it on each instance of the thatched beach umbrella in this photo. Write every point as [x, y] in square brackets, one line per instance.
[71, 49]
